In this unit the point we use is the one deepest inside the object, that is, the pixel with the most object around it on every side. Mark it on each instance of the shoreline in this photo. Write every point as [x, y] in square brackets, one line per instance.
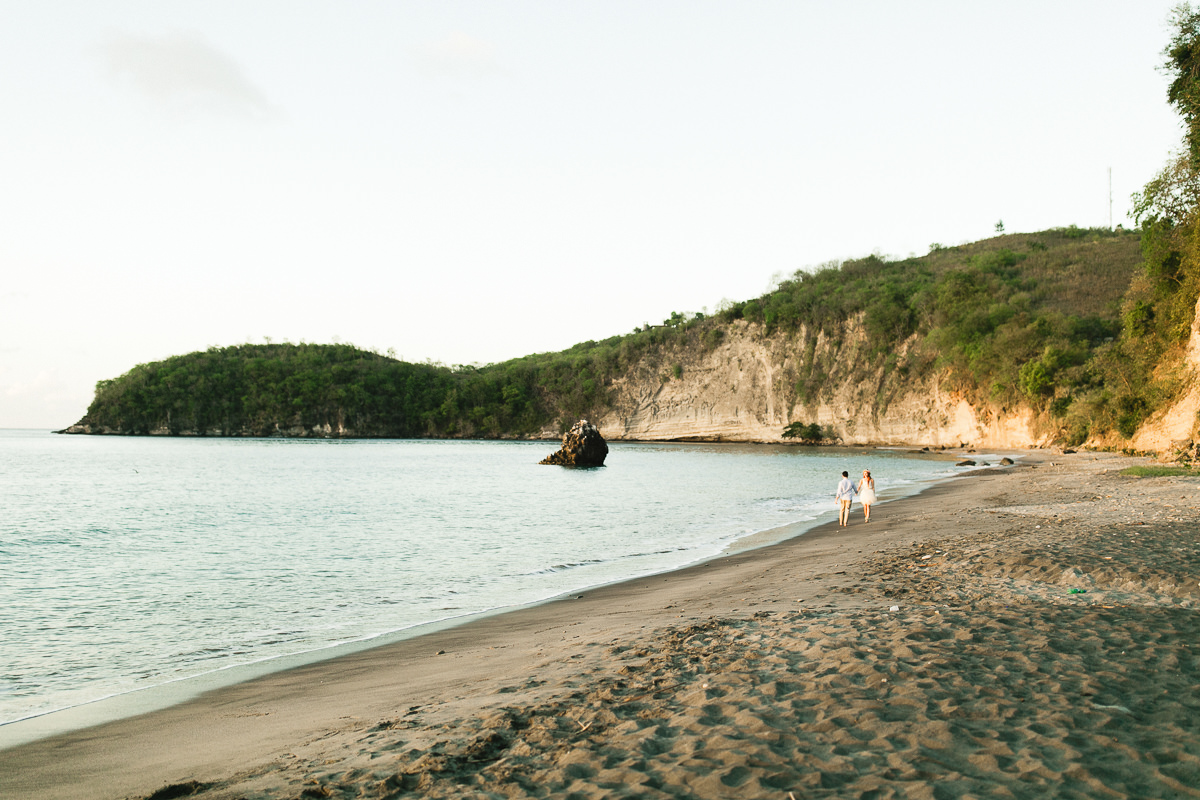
[135, 702]
[544, 682]
[932, 448]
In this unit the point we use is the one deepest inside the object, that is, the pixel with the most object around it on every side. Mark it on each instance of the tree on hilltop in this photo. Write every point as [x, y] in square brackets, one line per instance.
[1167, 208]
[1183, 65]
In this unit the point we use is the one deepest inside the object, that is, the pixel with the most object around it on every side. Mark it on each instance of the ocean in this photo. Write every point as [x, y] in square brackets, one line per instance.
[129, 564]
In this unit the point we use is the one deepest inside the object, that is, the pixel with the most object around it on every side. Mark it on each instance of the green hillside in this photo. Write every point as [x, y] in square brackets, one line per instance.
[1017, 318]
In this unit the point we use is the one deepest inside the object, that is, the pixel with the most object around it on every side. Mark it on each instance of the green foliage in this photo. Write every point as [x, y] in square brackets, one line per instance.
[1008, 321]
[1138, 318]
[1167, 207]
[713, 337]
[983, 312]
[1132, 376]
[1035, 380]
[1170, 197]
[252, 388]
[1131, 410]
[259, 389]
[811, 432]
[1183, 65]
[1157, 471]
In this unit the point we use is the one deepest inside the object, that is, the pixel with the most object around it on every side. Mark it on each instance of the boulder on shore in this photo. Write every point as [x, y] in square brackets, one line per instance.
[582, 446]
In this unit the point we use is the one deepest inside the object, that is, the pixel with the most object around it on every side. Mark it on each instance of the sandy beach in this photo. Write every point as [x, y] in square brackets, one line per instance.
[1026, 631]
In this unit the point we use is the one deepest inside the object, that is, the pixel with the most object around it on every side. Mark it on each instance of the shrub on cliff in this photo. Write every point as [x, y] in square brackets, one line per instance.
[805, 432]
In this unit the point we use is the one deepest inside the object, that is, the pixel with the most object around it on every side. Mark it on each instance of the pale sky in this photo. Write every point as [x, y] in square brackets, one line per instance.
[469, 182]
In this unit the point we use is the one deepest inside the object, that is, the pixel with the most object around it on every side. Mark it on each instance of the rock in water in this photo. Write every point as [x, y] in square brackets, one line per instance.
[582, 446]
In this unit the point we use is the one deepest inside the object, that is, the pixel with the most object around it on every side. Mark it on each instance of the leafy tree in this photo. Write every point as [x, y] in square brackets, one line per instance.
[810, 432]
[1182, 65]
[1159, 308]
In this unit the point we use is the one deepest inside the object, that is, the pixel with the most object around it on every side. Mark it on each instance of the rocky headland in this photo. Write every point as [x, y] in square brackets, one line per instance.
[796, 357]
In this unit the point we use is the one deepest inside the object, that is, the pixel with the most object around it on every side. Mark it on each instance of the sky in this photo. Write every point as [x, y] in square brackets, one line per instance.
[468, 182]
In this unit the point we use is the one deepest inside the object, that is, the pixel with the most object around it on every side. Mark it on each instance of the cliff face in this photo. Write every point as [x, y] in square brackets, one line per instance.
[745, 390]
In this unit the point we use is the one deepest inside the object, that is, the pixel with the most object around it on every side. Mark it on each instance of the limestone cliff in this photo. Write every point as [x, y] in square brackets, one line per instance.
[745, 390]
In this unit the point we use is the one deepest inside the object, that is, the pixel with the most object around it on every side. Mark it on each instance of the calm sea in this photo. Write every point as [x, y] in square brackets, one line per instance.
[129, 563]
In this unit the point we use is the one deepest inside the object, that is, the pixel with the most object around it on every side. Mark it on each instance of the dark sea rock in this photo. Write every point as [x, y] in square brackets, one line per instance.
[582, 446]
[965, 463]
[1006, 461]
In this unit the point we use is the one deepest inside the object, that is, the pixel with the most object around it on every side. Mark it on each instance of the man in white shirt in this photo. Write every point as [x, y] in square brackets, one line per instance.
[845, 495]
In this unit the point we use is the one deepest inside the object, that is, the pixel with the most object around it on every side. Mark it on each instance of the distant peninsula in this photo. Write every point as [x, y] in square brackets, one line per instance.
[1021, 339]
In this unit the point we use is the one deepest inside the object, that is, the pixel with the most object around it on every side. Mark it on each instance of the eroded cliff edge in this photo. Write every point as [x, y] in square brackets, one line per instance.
[745, 390]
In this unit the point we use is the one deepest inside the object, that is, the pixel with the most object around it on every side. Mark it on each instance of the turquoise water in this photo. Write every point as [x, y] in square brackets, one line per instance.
[128, 563]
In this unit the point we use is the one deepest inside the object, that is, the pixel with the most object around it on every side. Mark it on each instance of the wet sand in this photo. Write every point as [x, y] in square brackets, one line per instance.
[1021, 632]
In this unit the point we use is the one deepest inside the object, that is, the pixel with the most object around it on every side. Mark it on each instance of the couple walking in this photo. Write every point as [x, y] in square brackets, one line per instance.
[845, 496]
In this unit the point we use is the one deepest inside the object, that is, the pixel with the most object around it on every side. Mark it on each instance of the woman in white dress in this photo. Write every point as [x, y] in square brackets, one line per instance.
[866, 493]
